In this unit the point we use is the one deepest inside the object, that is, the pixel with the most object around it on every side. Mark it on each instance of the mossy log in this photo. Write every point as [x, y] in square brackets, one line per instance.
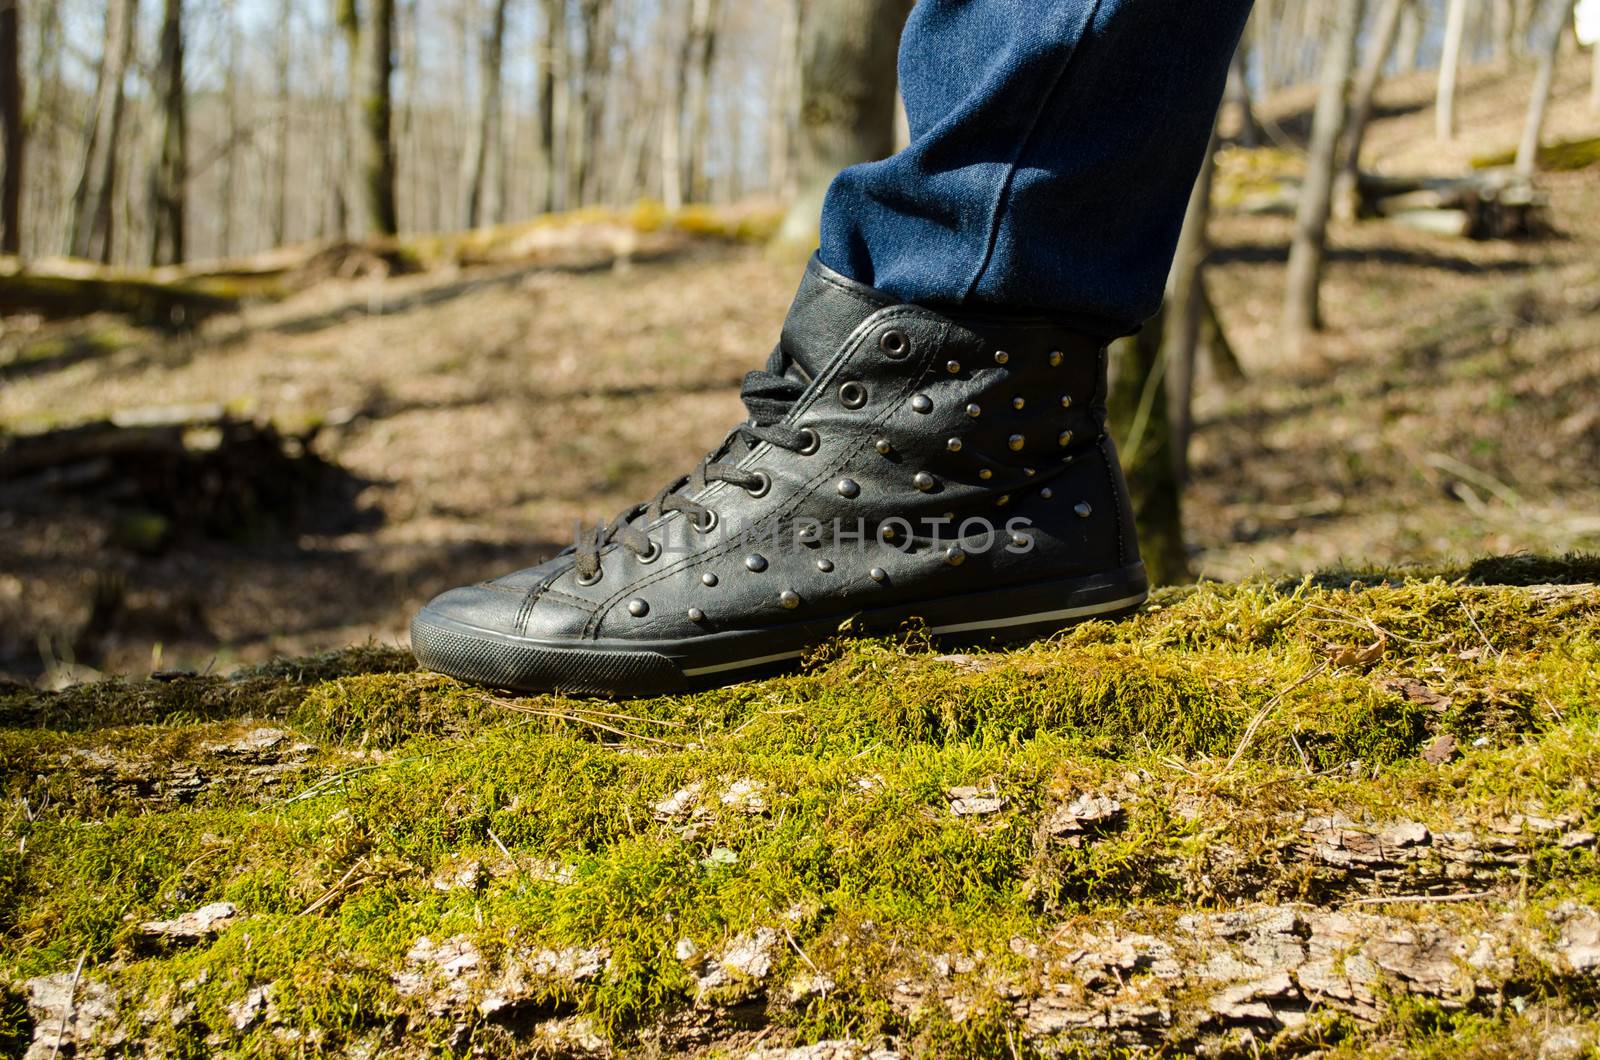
[1490, 205]
[1353, 812]
[173, 306]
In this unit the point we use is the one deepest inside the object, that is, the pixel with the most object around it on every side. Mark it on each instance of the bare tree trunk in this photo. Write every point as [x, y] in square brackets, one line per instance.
[781, 103]
[230, 102]
[673, 187]
[169, 177]
[1186, 309]
[554, 100]
[599, 30]
[486, 133]
[1238, 96]
[377, 107]
[1302, 311]
[11, 130]
[348, 18]
[847, 98]
[1383, 37]
[92, 202]
[285, 116]
[1137, 404]
[1549, 51]
[1410, 40]
[702, 47]
[1455, 29]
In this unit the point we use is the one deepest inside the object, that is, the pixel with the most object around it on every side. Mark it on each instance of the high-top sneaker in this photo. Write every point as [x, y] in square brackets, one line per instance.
[900, 463]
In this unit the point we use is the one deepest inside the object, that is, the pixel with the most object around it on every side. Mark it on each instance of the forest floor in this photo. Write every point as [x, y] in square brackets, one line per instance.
[480, 414]
[1348, 812]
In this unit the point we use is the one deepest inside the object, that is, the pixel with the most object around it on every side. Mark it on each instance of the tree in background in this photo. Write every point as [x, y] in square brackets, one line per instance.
[12, 134]
[92, 214]
[847, 98]
[169, 176]
[1527, 159]
[1384, 32]
[377, 112]
[1138, 409]
[1455, 30]
[1302, 307]
[485, 144]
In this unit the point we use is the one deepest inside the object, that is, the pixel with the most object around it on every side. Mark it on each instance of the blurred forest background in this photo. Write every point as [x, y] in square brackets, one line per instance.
[311, 308]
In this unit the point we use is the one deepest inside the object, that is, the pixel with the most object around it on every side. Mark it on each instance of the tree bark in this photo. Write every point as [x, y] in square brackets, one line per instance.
[1549, 51]
[1455, 29]
[554, 100]
[1410, 40]
[1138, 409]
[781, 104]
[484, 144]
[1186, 310]
[1238, 96]
[702, 48]
[599, 31]
[377, 107]
[285, 116]
[1302, 311]
[92, 220]
[847, 98]
[169, 177]
[11, 128]
[1384, 32]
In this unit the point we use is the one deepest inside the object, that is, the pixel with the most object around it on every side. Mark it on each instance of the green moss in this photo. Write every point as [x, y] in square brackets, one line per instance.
[1219, 719]
[1563, 156]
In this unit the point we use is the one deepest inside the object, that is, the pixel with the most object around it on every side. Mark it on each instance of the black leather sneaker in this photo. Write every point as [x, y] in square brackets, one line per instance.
[900, 463]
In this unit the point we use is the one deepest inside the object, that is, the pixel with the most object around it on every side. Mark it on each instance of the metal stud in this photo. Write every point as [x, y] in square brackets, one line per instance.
[952, 367]
[954, 556]
[1021, 540]
[1017, 403]
[1016, 442]
[755, 564]
[847, 488]
[1065, 438]
[1066, 401]
[638, 608]
[922, 403]
[985, 474]
[886, 533]
[1001, 357]
[789, 599]
[1030, 472]
[708, 579]
[1003, 500]
[825, 566]
[696, 615]
[878, 574]
[974, 410]
[1082, 509]
[923, 481]
[882, 445]
[1047, 493]
[1055, 358]
[954, 445]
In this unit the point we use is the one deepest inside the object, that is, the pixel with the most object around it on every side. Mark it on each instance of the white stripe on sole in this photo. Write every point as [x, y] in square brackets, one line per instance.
[697, 671]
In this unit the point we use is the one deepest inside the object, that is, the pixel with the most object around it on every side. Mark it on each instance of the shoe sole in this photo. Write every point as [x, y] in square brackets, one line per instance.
[629, 669]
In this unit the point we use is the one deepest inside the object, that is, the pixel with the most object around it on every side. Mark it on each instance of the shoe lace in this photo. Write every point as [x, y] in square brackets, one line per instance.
[768, 395]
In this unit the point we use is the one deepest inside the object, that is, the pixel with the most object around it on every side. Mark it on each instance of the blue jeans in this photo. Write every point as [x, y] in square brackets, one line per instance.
[1054, 144]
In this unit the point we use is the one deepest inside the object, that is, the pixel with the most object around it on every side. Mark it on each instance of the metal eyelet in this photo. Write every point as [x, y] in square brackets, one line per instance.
[709, 524]
[586, 580]
[811, 441]
[760, 490]
[852, 395]
[650, 555]
[895, 343]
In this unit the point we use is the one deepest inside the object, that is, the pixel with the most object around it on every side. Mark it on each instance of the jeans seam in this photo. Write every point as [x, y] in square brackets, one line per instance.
[1004, 191]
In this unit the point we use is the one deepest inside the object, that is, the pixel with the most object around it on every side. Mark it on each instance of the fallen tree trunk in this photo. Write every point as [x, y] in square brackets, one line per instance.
[1489, 205]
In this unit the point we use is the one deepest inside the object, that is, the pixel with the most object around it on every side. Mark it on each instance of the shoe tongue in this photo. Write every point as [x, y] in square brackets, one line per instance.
[827, 308]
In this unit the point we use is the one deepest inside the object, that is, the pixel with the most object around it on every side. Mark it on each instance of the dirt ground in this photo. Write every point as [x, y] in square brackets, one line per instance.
[1450, 410]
